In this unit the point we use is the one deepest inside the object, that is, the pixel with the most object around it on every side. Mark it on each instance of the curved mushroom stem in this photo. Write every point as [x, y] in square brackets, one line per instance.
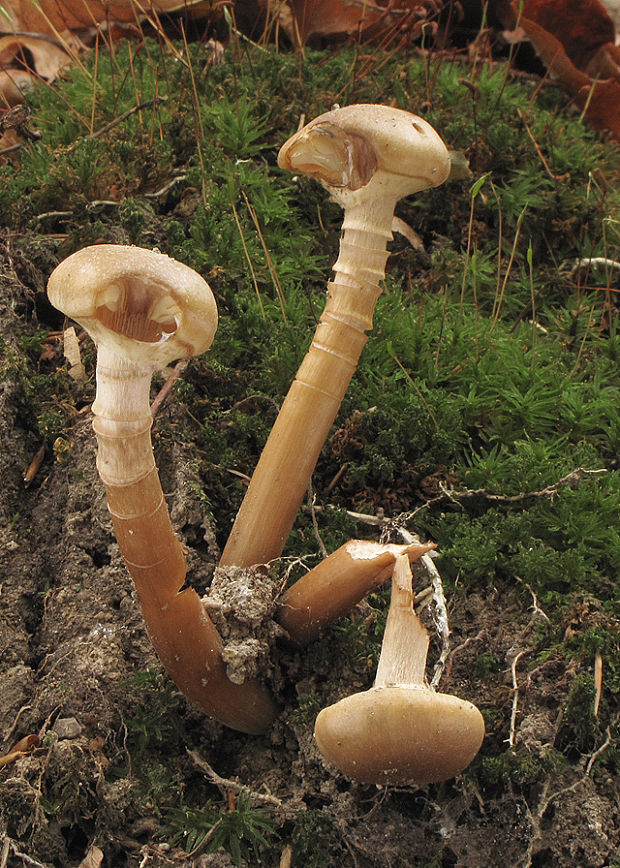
[145, 310]
[182, 633]
[368, 157]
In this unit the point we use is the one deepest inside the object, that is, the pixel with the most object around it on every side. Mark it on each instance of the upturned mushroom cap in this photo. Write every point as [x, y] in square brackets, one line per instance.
[374, 148]
[400, 735]
[140, 303]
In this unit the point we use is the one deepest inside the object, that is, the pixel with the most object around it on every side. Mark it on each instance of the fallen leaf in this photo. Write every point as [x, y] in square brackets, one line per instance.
[24, 746]
[613, 8]
[27, 743]
[47, 57]
[29, 475]
[14, 85]
[52, 33]
[93, 858]
[303, 19]
[582, 27]
[59, 17]
[599, 99]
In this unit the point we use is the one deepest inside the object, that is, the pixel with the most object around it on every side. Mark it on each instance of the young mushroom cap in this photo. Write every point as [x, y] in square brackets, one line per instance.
[400, 731]
[400, 735]
[142, 304]
[375, 148]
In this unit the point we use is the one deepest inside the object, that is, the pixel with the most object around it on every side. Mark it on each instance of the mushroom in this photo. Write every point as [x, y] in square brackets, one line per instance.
[337, 584]
[367, 157]
[400, 731]
[144, 310]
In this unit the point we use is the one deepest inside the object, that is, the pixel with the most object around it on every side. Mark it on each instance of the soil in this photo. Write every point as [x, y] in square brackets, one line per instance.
[74, 648]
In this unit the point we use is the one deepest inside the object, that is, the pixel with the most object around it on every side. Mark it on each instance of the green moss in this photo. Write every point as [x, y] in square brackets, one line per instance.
[308, 706]
[154, 718]
[243, 831]
[315, 840]
[579, 717]
[520, 767]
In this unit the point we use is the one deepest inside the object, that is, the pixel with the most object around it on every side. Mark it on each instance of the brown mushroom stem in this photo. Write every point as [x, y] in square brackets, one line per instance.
[337, 584]
[182, 633]
[400, 731]
[366, 156]
[144, 310]
[289, 457]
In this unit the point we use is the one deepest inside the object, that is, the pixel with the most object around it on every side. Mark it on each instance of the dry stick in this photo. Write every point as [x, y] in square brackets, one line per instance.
[144, 310]
[598, 681]
[163, 393]
[368, 157]
[27, 860]
[228, 785]
[515, 699]
[119, 120]
[571, 480]
[441, 607]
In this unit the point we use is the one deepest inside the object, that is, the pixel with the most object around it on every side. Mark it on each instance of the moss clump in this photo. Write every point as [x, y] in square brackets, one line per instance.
[314, 839]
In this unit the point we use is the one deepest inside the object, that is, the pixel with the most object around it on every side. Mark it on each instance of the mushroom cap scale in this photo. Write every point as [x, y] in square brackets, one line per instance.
[384, 149]
[140, 303]
[402, 734]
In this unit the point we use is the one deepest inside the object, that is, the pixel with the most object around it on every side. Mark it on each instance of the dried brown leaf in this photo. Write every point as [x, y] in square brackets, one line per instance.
[599, 99]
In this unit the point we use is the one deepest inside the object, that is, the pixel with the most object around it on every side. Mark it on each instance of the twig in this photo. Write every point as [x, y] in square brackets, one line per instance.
[515, 699]
[537, 148]
[336, 479]
[157, 100]
[13, 726]
[165, 389]
[441, 609]
[535, 607]
[315, 524]
[595, 260]
[598, 681]
[545, 800]
[204, 841]
[599, 750]
[23, 856]
[571, 480]
[157, 193]
[455, 651]
[227, 785]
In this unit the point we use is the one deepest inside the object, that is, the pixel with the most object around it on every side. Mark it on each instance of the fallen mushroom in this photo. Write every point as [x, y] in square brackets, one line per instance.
[337, 584]
[144, 310]
[368, 157]
[400, 731]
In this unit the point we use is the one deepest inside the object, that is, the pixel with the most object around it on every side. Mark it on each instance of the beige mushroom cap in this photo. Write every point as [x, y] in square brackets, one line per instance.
[377, 148]
[140, 303]
[400, 735]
